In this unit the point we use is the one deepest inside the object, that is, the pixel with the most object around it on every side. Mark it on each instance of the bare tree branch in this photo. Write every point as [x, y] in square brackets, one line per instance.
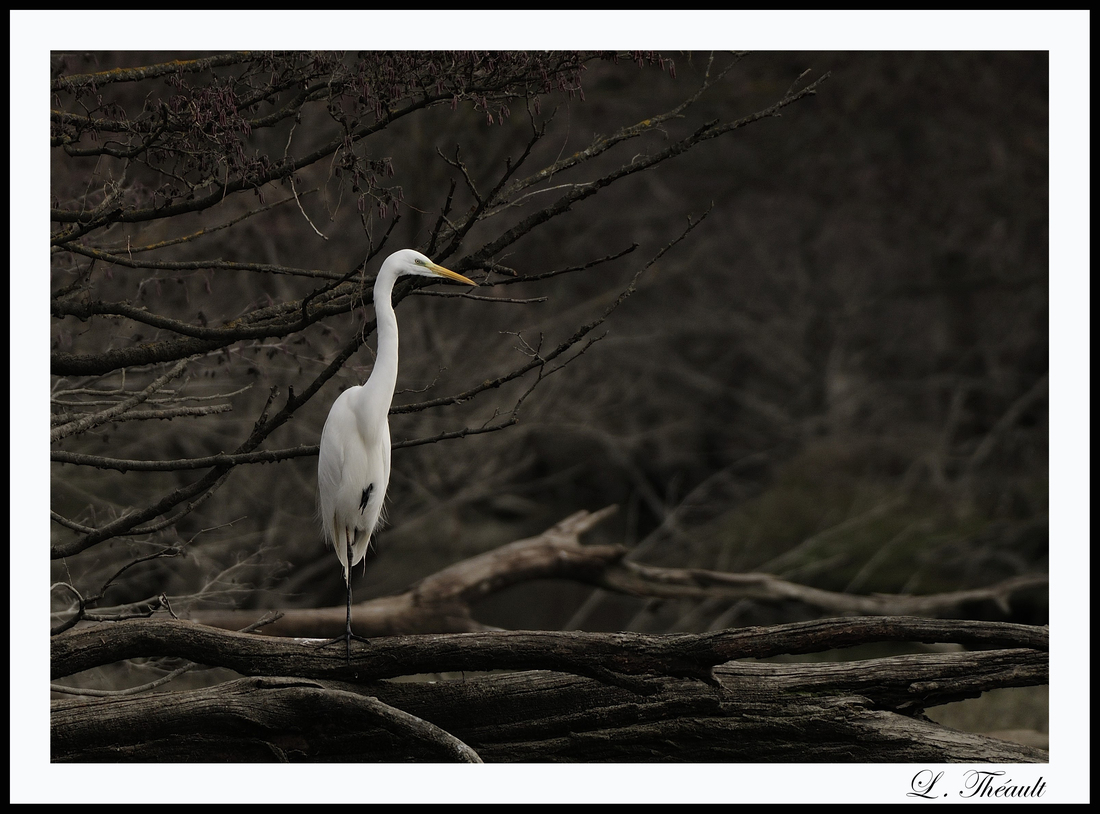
[445, 601]
[111, 413]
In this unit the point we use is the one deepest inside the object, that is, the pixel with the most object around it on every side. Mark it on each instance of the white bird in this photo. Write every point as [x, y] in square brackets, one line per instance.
[353, 469]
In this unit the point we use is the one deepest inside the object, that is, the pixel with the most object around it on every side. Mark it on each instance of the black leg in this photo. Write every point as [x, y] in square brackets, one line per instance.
[347, 639]
[348, 635]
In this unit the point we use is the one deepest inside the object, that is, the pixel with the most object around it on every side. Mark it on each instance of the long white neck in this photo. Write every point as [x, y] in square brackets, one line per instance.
[383, 379]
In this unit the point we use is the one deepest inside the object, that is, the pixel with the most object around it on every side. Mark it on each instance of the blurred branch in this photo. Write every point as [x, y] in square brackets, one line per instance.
[1010, 417]
[193, 496]
[602, 145]
[539, 360]
[584, 190]
[444, 601]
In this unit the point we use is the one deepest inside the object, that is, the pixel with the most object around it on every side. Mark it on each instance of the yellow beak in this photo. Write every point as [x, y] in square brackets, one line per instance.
[451, 275]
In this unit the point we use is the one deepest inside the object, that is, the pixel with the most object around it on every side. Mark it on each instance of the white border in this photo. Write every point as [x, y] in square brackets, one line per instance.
[34, 34]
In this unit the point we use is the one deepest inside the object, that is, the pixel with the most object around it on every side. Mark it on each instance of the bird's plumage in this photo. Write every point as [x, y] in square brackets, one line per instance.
[355, 457]
[353, 468]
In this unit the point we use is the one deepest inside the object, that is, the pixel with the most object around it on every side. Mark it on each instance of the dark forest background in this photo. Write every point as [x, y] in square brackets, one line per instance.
[839, 376]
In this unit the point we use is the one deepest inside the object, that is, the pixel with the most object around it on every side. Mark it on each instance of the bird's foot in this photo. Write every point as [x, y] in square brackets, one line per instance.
[347, 640]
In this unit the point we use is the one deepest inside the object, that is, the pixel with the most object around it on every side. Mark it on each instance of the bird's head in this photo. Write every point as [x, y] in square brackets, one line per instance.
[409, 261]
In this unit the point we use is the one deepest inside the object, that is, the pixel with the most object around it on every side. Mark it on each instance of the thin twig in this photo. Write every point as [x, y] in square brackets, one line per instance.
[95, 419]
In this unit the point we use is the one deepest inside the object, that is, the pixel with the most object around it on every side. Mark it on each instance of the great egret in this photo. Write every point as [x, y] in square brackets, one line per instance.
[353, 469]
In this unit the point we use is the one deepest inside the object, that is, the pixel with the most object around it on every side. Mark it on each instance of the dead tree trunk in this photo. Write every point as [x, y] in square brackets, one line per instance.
[562, 697]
